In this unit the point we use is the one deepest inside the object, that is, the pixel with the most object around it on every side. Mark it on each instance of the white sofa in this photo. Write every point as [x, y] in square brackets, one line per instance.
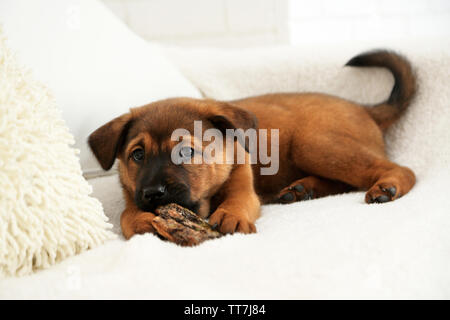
[335, 247]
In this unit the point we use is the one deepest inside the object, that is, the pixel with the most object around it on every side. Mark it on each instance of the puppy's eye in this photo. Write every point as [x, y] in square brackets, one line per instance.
[138, 155]
[186, 152]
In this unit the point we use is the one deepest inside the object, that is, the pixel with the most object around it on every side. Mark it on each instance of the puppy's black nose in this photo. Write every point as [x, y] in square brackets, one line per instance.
[153, 193]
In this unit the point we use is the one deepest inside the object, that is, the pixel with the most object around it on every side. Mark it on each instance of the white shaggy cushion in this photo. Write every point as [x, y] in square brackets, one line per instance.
[95, 66]
[46, 213]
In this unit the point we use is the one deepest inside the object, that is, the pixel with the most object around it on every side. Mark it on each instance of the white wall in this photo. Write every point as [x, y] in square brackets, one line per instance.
[243, 23]
[325, 21]
[229, 23]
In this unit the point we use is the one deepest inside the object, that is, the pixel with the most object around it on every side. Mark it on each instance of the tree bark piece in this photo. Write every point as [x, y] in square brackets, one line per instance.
[182, 226]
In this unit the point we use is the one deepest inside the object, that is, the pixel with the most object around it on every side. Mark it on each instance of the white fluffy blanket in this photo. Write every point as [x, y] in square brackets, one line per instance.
[334, 247]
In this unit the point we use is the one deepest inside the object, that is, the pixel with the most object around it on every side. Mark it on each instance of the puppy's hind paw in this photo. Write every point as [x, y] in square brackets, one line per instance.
[381, 193]
[295, 192]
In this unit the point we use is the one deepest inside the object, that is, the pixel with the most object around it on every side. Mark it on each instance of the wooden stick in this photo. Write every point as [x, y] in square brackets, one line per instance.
[182, 226]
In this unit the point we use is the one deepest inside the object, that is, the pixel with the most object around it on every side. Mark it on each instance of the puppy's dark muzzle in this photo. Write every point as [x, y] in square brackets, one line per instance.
[150, 197]
[154, 193]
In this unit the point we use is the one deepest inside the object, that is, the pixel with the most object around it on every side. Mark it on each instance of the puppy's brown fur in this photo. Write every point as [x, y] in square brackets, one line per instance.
[327, 145]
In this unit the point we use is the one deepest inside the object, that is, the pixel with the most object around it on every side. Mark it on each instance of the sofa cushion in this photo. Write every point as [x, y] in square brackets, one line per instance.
[95, 66]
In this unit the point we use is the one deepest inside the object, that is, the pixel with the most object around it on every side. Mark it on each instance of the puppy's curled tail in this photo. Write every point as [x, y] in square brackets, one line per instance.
[387, 112]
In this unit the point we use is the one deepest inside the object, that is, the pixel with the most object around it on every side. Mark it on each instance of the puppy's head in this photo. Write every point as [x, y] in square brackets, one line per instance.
[142, 141]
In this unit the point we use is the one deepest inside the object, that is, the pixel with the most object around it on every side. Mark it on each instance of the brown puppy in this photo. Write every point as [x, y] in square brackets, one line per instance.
[327, 145]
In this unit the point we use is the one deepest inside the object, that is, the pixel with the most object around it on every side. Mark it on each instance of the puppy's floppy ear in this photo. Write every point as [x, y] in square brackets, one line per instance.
[106, 141]
[228, 116]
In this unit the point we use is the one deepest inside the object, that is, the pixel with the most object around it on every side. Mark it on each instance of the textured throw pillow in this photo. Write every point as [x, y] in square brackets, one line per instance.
[46, 213]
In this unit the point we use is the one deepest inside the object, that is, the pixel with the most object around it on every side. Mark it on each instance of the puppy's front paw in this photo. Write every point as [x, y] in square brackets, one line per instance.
[228, 222]
[143, 223]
